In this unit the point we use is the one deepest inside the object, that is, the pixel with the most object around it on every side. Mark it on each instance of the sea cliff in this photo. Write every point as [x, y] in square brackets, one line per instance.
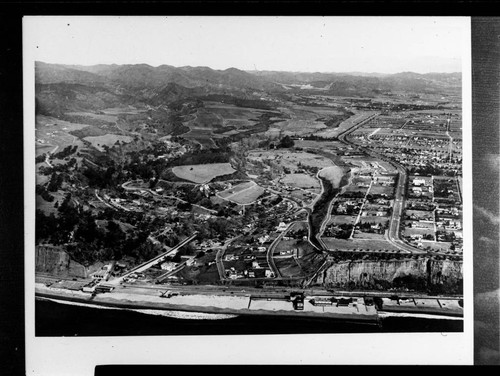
[56, 262]
[415, 274]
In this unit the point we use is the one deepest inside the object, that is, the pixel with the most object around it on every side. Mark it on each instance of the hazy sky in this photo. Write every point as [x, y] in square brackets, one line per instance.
[326, 44]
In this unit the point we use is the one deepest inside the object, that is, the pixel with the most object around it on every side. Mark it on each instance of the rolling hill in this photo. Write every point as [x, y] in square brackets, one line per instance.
[61, 88]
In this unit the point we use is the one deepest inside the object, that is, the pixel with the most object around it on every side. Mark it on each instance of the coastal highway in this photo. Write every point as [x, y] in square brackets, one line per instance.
[233, 290]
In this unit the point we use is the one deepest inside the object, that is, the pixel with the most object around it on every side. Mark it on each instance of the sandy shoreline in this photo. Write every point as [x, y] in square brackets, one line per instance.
[137, 298]
[210, 304]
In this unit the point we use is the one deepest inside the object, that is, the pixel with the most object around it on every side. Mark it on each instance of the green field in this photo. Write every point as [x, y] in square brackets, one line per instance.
[43, 149]
[302, 120]
[418, 231]
[381, 190]
[215, 114]
[358, 235]
[300, 181]
[108, 139]
[103, 117]
[236, 189]
[201, 135]
[52, 132]
[347, 244]
[242, 194]
[341, 219]
[291, 160]
[203, 173]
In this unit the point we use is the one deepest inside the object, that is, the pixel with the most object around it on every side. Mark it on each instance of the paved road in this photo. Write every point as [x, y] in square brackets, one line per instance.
[218, 258]
[249, 290]
[360, 210]
[47, 156]
[450, 147]
[399, 196]
[272, 247]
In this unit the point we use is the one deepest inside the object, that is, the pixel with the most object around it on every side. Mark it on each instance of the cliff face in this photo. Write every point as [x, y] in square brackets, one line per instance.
[423, 274]
[54, 261]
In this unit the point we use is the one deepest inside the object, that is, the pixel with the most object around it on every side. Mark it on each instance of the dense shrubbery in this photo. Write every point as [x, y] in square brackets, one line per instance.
[42, 191]
[66, 152]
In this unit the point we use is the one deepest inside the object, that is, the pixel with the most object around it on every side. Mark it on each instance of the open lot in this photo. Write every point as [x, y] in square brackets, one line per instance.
[418, 231]
[103, 117]
[353, 189]
[203, 173]
[107, 140]
[236, 189]
[368, 235]
[243, 194]
[304, 196]
[43, 149]
[341, 219]
[290, 160]
[52, 133]
[300, 181]
[215, 114]
[302, 120]
[201, 135]
[323, 145]
[438, 246]
[381, 190]
[360, 244]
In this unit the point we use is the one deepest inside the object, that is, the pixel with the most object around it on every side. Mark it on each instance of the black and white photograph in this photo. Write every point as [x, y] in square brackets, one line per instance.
[229, 189]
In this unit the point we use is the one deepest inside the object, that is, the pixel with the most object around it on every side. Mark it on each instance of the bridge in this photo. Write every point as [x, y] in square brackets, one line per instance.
[154, 260]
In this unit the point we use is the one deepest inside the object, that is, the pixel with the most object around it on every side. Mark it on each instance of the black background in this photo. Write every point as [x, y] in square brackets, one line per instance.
[485, 101]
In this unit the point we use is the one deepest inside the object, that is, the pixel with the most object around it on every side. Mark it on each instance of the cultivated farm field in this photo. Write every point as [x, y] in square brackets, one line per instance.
[215, 114]
[201, 135]
[345, 125]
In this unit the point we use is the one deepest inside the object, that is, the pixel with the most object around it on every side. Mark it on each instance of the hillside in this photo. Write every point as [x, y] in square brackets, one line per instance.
[144, 82]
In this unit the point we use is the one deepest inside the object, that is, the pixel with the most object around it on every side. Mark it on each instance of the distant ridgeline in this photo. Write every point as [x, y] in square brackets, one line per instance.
[63, 88]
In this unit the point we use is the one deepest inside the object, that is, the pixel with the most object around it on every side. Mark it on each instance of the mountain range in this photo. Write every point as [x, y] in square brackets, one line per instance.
[69, 87]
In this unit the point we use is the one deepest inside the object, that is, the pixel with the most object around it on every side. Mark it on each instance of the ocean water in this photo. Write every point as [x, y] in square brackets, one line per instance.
[56, 319]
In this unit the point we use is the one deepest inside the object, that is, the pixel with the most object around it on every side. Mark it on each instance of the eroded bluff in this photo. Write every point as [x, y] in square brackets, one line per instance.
[56, 262]
[423, 274]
